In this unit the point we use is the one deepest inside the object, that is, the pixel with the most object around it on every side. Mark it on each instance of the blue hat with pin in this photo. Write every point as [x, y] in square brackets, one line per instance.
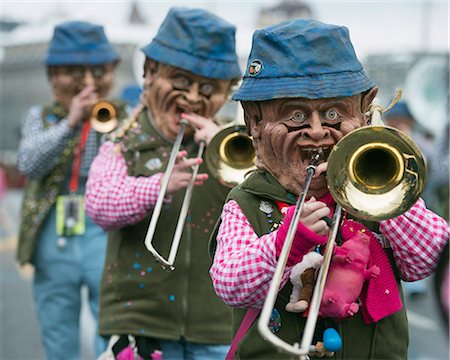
[302, 58]
[197, 41]
[80, 43]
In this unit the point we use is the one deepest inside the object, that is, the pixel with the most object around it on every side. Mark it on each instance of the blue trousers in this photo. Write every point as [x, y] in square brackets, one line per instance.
[62, 268]
[184, 350]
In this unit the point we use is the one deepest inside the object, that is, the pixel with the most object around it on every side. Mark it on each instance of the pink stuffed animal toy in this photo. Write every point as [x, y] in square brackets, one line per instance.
[347, 273]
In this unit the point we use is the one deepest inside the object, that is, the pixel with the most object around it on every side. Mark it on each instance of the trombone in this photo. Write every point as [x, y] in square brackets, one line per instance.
[375, 173]
[168, 263]
[104, 117]
[229, 155]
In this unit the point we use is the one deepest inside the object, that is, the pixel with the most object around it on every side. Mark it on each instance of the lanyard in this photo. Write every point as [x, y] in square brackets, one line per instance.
[77, 155]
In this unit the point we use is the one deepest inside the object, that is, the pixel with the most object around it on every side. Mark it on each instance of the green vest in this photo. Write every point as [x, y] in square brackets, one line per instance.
[137, 296]
[40, 195]
[386, 339]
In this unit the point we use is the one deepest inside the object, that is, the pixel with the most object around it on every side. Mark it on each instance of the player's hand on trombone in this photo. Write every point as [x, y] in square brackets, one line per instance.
[181, 174]
[311, 216]
[80, 105]
[313, 210]
[205, 129]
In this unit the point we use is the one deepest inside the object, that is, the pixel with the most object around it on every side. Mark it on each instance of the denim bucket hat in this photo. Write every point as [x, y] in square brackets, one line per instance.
[197, 41]
[80, 43]
[302, 58]
[399, 110]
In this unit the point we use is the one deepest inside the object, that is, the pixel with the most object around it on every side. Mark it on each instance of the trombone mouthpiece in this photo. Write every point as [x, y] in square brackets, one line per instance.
[315, 156]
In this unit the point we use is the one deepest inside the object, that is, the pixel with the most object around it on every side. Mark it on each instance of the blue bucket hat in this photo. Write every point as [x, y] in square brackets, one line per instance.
[302, 58]
[399, 110]
[197, 41]
[80, 43]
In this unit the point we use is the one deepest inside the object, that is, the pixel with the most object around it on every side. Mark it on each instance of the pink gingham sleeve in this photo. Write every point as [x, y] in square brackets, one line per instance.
[113, 199]
[244, 263]
[417, 238]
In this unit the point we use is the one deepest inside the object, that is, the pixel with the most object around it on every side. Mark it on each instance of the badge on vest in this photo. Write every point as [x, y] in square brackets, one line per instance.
[266, 207]
[70, 219]
[153, 164]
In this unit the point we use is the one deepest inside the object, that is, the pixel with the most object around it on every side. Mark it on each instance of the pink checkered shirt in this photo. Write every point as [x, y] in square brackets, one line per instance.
[244, 264]
[113, 199]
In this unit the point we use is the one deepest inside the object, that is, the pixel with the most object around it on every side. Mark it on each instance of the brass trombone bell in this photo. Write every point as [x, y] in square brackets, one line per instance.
[104, 117]
[376, 173]
[230, 155]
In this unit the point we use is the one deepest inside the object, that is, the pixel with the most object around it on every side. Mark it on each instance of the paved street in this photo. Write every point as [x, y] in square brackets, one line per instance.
[19, 333]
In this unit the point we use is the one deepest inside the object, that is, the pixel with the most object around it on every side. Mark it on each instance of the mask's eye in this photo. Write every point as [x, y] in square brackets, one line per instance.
[207, 89]
[76, 72]
[331, 114]
[298, 116]
[181, 82]
[98, 72]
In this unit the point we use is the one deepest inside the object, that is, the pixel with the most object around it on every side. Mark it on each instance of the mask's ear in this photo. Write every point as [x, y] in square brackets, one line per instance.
[366, 100]
[150, 68]
[252, 117]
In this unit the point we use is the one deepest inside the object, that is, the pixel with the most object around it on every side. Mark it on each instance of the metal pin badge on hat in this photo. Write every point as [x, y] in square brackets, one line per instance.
[255, 67]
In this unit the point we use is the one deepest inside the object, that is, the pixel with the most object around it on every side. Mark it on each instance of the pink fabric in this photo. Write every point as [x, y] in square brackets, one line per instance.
[380, 296]
[157, 355]
[304, 239]
[127, 354]
[248, 320]
[244, 263]
[113, 199]
[416, 237]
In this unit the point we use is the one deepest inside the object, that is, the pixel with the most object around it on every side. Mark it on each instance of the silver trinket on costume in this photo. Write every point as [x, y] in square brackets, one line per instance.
[61, 242]
[153, 164]
[266, 207]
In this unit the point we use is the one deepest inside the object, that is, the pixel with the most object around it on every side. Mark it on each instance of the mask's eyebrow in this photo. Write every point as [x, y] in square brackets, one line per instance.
[291, 128]
[336, 126]
[294, 104]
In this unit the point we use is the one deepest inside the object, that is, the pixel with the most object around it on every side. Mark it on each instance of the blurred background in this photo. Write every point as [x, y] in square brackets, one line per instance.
[402, 44]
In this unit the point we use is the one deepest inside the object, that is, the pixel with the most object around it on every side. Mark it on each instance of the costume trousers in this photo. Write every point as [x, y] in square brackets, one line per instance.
[62, 268]
[184, 350]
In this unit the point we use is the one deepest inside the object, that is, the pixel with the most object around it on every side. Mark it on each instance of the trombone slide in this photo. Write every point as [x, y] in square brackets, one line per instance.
[168, 263]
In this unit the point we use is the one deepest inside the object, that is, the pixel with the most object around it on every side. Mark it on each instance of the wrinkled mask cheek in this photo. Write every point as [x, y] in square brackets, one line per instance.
[104, 86]
[155, 97]
[348, 126]
[211, 106]
[64, 92]
[272, 149]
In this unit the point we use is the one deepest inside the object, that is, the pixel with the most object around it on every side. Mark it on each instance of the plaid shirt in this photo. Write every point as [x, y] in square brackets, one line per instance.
[40, 146]
[244, 264]
[113, 199]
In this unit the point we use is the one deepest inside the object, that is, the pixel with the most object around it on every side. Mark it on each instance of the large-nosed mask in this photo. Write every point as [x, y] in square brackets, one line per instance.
[286, 132]
[170, 91]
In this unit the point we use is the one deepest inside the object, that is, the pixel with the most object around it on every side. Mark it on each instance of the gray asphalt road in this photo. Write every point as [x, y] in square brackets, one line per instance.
[19, 332]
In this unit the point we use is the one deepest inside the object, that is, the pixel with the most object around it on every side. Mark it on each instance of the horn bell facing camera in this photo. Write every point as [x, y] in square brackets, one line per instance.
[104, 117]
[230, 155]
[376, 173]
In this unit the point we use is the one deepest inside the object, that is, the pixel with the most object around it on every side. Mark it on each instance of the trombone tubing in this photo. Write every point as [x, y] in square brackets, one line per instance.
[159, 202]
[263, 323]
[314, 306]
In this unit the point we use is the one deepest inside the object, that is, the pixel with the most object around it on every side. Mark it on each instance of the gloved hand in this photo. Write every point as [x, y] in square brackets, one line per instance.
[311, 230]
